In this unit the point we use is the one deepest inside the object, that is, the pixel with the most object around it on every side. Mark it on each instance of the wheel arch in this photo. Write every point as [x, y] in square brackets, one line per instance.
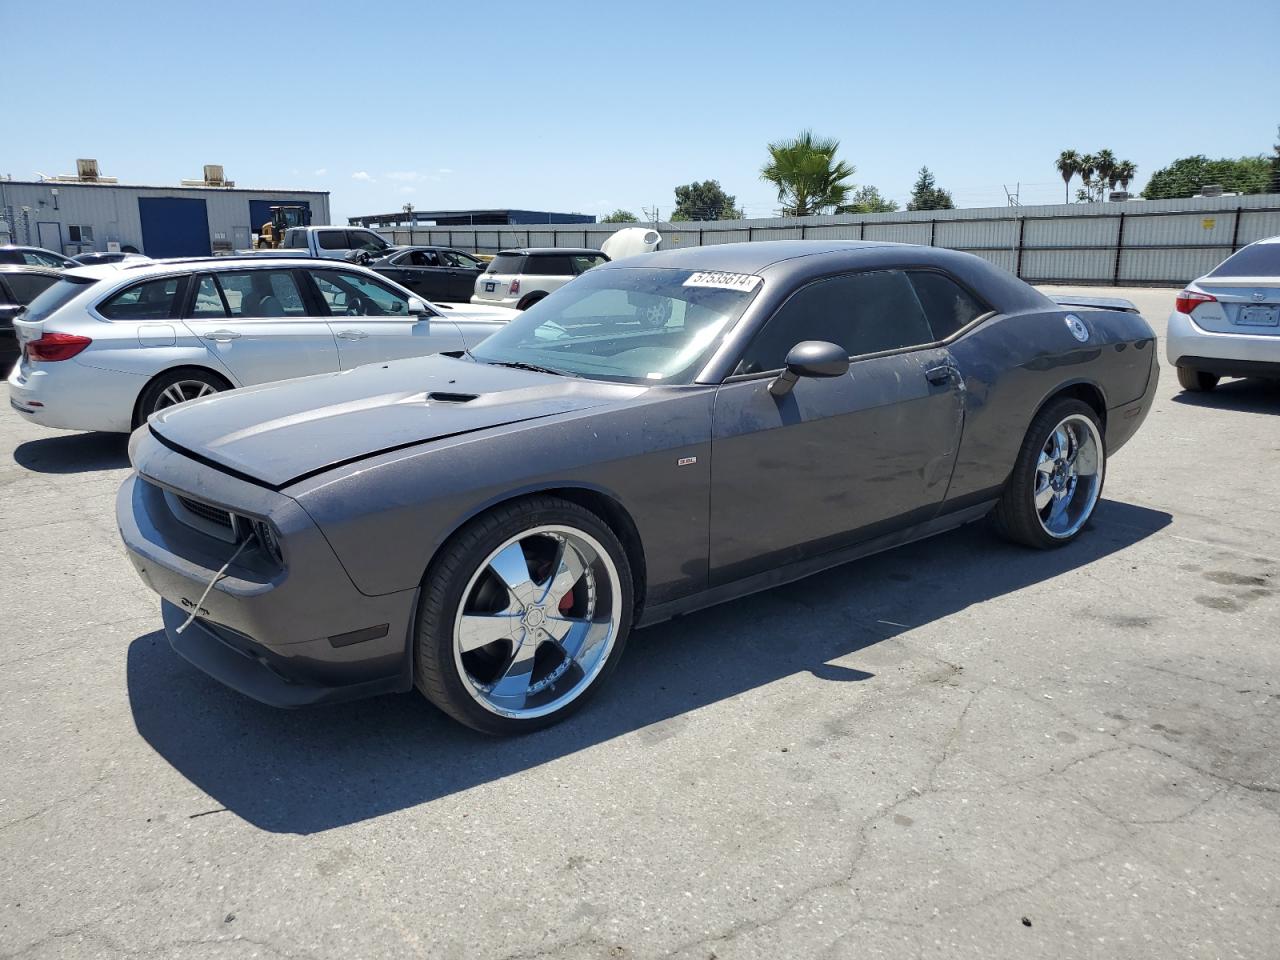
[1085, 390]
[604, 504]
[529, 299]
[193, 367]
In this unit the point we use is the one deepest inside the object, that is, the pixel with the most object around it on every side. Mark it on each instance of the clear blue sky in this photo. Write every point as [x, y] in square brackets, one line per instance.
[591, 106]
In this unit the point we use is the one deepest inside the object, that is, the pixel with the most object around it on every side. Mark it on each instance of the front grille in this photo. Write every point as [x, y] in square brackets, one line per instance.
[206, 512]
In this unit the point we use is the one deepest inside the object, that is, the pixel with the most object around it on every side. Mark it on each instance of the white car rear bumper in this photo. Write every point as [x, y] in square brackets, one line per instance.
[1189, 345]
[73, 396]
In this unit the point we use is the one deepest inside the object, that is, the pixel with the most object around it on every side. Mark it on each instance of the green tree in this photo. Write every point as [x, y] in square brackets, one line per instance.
[1275, 165]
[621, 216]
[927, 195]
[1185, 177]
[1126, 170]
[1068, 165]
[705, 200]
[867, 200]
[807, 175]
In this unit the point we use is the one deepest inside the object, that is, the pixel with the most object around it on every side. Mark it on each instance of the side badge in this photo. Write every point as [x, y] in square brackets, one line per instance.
[1077, 327]
[685, 461]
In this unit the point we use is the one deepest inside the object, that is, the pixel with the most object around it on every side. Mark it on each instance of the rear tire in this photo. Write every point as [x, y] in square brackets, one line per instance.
[1057, 477]
[1197, 381]
[530, 300]
[176, 386]
[523, 615]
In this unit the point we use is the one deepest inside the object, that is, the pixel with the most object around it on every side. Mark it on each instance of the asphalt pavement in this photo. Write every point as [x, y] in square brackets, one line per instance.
[959, 749]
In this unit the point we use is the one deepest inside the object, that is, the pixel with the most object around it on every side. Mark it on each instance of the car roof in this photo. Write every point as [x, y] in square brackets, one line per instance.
[133, 270]
[544, 251]
[25, 246]
[30, 268]
[750, 257]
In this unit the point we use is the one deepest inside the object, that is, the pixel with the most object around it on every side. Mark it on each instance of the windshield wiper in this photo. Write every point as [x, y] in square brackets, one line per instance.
[521, 365]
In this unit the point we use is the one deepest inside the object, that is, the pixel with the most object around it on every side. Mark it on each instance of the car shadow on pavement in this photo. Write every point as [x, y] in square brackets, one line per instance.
[74, 453]
[1243, 396]
[311, 770]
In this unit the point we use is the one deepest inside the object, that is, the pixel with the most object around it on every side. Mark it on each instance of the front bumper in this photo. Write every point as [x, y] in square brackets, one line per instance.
[1191, 346]
[286, 634]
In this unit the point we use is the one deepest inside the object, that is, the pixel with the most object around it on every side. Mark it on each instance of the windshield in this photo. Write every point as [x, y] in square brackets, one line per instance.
[629, 325]
[1255, 260]
[54, 297]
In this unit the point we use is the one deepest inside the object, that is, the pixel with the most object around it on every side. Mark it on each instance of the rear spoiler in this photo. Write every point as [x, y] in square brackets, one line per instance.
[1094, 303]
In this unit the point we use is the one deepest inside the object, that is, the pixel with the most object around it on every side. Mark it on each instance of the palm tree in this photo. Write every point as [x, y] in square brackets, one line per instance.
[1068, 165]
[1086, 167]
[808, 176]
[1105, 161]
[1125, 171]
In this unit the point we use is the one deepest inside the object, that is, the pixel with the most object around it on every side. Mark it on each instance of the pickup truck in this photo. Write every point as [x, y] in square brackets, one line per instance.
[327, 243]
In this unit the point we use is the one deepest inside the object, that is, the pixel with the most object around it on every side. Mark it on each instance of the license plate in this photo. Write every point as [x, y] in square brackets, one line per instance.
[489, 286]
[1258, 317]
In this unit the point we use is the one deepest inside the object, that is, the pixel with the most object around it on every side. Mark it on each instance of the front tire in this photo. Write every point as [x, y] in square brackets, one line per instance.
[174, 387]
[1197, 381]
[1057, 478]
[523, 615]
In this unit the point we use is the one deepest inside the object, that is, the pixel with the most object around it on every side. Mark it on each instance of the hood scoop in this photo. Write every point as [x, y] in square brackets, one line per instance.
[440, 396]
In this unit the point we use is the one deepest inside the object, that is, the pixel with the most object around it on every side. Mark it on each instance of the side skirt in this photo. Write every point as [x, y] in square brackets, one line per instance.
[806, 568]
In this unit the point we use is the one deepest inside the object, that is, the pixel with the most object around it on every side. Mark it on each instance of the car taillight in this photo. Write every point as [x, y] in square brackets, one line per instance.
[1188, 300]
[56, 346]
[515, 285]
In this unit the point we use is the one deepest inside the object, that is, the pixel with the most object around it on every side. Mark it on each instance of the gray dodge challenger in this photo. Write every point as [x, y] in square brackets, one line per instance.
[665, 433]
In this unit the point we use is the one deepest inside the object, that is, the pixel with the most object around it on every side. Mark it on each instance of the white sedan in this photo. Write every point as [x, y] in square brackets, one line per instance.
[1227, 323]
[105, 347]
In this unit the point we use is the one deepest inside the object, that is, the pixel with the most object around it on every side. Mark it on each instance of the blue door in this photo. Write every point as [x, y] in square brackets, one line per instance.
[174, 227]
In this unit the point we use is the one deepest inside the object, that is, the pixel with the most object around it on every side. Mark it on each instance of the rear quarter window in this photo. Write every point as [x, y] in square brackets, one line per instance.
[149, 300]
[549, 266]
[947, 305]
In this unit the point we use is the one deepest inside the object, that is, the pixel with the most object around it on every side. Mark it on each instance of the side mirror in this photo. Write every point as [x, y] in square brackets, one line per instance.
[417, 308]
[810, 358]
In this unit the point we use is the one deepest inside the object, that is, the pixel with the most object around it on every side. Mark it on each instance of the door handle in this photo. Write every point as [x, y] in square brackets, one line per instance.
[942, 374]
[352, 335]
[222, 336]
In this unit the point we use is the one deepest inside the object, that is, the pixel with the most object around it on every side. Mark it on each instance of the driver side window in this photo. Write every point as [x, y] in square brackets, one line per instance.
[354, 295]
[862, 312]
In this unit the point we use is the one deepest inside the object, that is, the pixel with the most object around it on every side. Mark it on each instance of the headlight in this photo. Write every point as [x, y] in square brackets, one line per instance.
[267, 539]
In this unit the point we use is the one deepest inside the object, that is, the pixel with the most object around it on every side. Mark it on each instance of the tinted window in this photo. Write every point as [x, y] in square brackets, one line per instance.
[53, 298]
[36, 259]
[27, 286]
[332, 239]
[863, 312]
[363, 240]
[947, 305]
[584, 262]
[549, 266]
[1255, 260]
[150, 300]
[355, 295]
[261, 293]
[424, 258]
[506, 263]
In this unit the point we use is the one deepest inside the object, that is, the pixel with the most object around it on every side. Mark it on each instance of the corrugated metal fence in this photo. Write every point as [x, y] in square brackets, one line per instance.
[1154, 242]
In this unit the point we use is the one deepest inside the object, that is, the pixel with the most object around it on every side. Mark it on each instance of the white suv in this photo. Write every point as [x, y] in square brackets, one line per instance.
[520, 278]
[105, 347]
[1227, 323]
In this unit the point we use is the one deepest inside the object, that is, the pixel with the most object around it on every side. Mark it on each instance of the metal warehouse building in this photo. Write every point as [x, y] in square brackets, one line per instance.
[89, 212]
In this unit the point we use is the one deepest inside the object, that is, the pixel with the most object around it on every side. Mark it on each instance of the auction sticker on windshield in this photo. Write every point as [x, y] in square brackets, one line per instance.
[723, 281]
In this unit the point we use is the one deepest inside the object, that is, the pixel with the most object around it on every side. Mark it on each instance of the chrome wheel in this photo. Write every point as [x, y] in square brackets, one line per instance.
[1068, 476]
[537, 622]
[181, 391]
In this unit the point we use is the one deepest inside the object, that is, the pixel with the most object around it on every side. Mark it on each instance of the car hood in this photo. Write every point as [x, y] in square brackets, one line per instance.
[279, 433]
